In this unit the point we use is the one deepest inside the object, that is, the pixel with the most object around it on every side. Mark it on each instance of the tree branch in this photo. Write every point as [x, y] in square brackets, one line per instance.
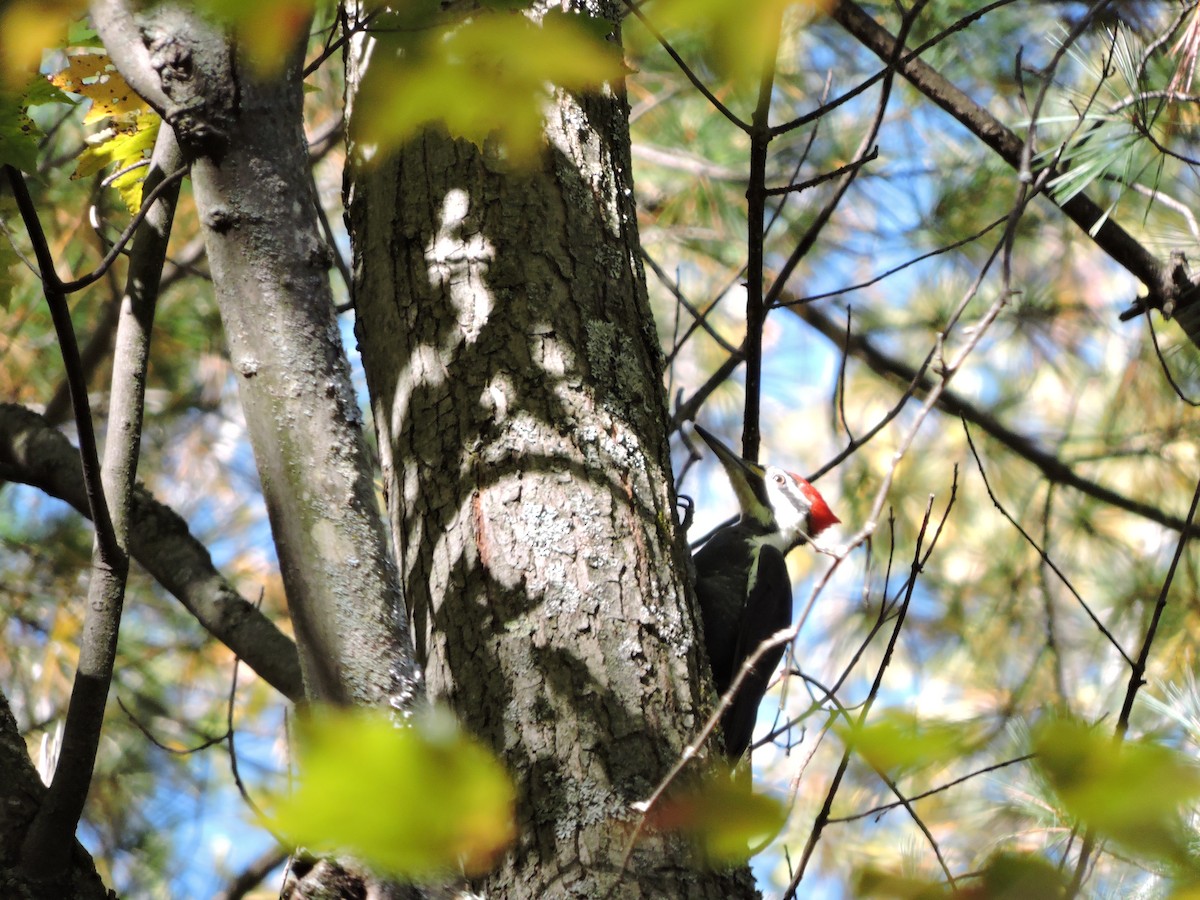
[1110, 237]
[21, 790]
[756, 199]
[955, 404]
[242, 129]
[48, 841]
[825, 813]
[61, 314]
[34, 453]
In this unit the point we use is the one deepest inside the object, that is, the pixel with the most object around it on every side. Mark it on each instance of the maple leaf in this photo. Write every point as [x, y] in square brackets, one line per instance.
[132, 126]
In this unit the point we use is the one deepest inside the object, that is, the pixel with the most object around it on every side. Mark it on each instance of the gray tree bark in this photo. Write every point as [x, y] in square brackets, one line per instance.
[516, 383]
[243, 135]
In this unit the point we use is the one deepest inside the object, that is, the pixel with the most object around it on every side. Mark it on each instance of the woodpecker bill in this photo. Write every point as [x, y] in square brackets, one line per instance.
[742, 580]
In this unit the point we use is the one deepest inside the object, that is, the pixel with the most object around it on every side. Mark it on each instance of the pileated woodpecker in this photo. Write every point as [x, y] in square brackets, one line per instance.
[742, 580]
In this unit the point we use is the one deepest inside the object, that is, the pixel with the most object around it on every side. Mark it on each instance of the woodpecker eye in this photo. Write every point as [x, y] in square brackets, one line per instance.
[779, 479]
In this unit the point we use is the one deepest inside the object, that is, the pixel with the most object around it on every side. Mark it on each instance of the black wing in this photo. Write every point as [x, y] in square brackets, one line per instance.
[768, 609]
[722, 568]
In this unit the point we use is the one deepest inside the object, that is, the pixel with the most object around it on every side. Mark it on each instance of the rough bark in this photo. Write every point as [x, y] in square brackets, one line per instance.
[21, 795]
[515, 377]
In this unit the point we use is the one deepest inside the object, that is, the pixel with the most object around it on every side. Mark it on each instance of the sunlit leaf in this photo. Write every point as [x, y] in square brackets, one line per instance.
[125, 150]
[133, 127]
[485, 79]
[92, 74]
[1130, 791]
[722, 817]
[899, 740]
[413, 801]
[740, 35]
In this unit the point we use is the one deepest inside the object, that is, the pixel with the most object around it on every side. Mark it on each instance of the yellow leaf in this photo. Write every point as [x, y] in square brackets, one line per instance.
[27, 27]
[739, 33]
[125, 149]
[92, 74]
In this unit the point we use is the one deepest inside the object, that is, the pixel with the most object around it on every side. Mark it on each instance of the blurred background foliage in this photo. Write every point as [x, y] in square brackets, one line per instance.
[995, 648]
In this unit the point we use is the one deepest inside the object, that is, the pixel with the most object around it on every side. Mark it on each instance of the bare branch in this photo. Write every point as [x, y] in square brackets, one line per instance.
[955, 404]
[1101, 627]
[1109, 236]
[826, 808]
[941, 788]
[1137, 678]
[34, 453]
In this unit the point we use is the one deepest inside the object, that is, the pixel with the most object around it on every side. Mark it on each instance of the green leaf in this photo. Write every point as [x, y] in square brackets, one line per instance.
[1022, 876]
[19, 134]
[1131, 792]
[1007, 876]
[413, 801]
[485, 79]
[899, 740]
[874, 883]
[40, 90]
[739, 34]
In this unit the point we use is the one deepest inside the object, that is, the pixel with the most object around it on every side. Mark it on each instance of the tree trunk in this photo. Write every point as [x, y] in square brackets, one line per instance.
[516, 383]
[244, 136]
[21, 793]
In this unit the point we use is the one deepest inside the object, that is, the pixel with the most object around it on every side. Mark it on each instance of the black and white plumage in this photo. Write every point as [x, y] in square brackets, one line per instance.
[742, 580]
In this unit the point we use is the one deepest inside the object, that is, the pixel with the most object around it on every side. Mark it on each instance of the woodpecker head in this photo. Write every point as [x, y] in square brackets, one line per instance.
[782, 503]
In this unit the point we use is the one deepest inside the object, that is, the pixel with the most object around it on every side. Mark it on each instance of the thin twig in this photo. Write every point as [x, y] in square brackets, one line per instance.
[825, 813]
[826, 107]
[1137, 678]
[824, 176]
[150, 736]
[955, 404]
[686, 69]
[843, 182]
[901, 800]
[969, 239]
[700, 317]
[1045, 557]
[1114, 240]
[941, 788]
[1166, 370]
[169, 183]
